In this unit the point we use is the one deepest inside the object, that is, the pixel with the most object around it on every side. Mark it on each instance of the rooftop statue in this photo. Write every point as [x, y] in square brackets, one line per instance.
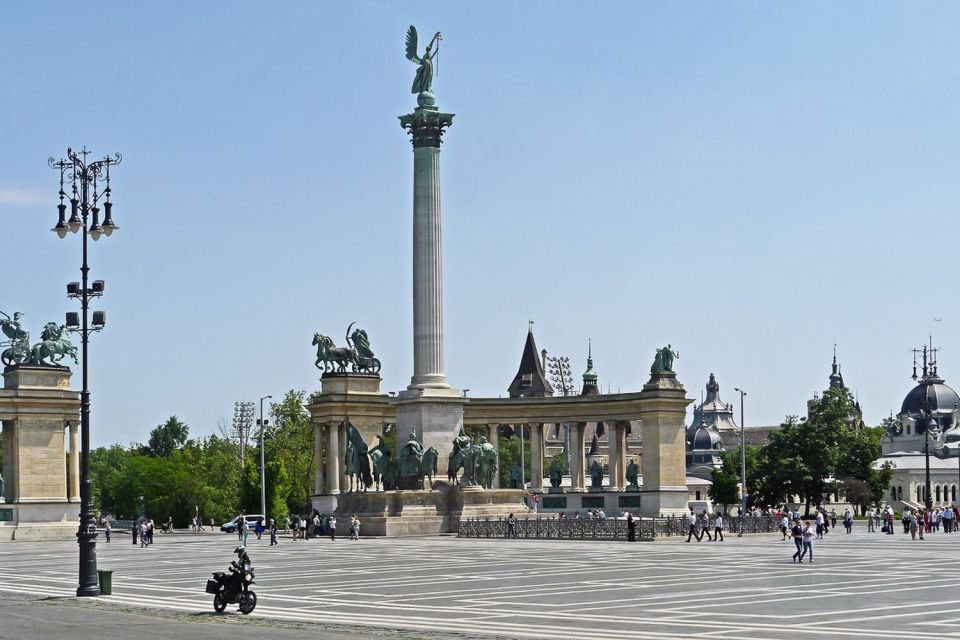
[54, 346]
[357, 354]
[17, 345]
[423, 82]
[663, 361]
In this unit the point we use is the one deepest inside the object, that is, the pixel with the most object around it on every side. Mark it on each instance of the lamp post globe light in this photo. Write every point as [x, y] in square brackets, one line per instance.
[89, 183]
[263, 474]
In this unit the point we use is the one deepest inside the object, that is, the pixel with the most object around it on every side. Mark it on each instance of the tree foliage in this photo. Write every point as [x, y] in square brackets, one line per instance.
[178, 476]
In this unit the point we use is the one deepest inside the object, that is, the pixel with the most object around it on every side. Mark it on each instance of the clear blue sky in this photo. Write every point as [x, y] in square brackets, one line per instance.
[750, 182]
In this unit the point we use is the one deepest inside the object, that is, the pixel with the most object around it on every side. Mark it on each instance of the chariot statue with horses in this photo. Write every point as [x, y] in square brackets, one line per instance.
[53, 347]
[357, 354]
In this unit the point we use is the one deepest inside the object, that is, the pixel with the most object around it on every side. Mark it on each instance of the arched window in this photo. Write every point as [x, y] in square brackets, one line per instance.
[893, 493]
[954, 498]
[937, 493]
[908, 429]
[919, 494]
[698, 495]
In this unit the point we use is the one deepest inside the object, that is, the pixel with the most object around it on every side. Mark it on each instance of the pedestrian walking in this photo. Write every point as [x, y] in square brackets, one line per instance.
[332, 526]
[511, 526]
[258, 529]
[273, 532]
[106, 529]
[244, 531]
[807, 542]
[870, 515]
[911, 522]
[833, 518]
[242, 522]
[705, 527]
[718, 529]
[797, 534]
[784, 526]
[848, 520]
[692, 533]
[820, 522]
[355, 528]
[134, 529]
[632, 529]
[143, 533]
[889, 520]
[947, 518]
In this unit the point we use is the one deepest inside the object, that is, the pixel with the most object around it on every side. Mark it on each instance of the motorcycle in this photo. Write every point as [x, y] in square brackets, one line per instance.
[233, 586]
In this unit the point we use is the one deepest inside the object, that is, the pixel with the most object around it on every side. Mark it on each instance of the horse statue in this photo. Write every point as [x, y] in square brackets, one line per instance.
[363, 358]
[18, 345]
[428, 465]
[471, 464]
[356, 462]
[54, 345]
[455, 459]
[380, 457]
[333, 358]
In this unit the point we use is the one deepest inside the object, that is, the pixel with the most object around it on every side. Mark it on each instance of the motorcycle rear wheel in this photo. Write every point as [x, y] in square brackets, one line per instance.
[219, 603]
[248, 602]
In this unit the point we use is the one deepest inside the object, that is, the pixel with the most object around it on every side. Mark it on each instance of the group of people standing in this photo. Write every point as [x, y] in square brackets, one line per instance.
[319, 525]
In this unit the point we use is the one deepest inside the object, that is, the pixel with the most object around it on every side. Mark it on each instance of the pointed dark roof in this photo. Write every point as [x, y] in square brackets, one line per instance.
[530, 380]
[590, 387]
[836, 378]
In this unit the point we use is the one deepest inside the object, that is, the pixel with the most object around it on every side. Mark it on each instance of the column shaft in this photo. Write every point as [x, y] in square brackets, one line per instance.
[576, 456]
[536, 456]
[495, 441]
[333, 458]
[318, 459]
[427, 271]
[614, 456]
[74, 480]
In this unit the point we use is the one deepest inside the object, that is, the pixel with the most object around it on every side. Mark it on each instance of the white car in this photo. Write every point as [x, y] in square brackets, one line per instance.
[252, 520]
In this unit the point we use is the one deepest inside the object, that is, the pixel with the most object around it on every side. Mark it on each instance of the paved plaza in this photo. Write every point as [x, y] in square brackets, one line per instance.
[862, 585]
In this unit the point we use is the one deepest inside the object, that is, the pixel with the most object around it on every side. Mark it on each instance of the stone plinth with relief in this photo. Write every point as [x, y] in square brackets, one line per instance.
[41, 494]
[663, 413]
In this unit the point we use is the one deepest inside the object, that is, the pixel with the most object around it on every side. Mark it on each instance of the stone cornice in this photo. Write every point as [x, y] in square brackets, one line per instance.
[426, 126]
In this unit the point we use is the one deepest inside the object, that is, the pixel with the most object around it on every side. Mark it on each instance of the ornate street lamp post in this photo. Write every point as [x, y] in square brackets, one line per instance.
[743, 461]
[89, 183]
[263, 474]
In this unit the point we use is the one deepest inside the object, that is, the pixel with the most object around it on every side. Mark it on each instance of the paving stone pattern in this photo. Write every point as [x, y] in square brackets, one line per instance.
[863, 585]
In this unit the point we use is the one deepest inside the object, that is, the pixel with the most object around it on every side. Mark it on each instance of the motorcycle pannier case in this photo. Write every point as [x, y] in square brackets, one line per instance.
[213, 586]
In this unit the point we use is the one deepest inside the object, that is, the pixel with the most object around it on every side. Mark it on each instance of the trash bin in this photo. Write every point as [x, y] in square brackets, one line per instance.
[106, 581]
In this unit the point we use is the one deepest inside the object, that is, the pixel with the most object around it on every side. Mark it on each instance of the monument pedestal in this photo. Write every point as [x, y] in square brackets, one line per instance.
[422, 512]
[36, 404]
[664, 491]
[434, 416]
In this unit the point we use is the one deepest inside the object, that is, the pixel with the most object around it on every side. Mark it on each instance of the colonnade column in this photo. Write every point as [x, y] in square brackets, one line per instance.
[536, 456]
[576, 456]
[495, 441]
[318, 459]
[614, 456]
[74, 480]
[333, 458]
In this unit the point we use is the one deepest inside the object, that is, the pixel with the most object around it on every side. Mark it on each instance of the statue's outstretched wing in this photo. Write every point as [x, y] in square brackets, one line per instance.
[412, 45]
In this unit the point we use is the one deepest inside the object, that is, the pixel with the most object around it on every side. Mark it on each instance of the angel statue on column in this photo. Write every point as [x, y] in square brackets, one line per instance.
[423, 82]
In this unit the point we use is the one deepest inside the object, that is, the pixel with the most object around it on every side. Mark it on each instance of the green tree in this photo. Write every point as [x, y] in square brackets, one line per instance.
[167, 438]
[510, 455]
[289, 442]
[728, 475]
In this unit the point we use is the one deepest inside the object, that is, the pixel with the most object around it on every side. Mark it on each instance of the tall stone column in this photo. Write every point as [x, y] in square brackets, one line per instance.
[426, 125]
[620, 430]
[495, 441]
[536, 456]
[333, 458]
[318, 459]
[576, 456]
[663, 411]
[614, 456]
[74, 482]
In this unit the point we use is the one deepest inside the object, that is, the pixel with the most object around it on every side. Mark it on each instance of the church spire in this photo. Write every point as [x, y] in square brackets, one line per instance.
[590, 375]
